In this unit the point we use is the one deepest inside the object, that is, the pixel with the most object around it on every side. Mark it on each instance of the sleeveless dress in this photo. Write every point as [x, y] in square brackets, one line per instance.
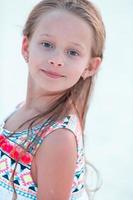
[10, 148]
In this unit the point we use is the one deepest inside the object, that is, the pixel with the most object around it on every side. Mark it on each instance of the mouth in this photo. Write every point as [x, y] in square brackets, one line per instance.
[52, 74]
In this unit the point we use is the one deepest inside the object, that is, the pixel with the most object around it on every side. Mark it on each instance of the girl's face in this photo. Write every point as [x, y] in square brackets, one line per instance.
[61, 43]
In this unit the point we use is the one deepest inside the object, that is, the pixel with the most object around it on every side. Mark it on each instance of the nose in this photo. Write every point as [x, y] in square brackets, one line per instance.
[56, 61]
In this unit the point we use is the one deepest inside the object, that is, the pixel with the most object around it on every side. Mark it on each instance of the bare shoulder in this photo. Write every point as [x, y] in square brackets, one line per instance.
[56, 162]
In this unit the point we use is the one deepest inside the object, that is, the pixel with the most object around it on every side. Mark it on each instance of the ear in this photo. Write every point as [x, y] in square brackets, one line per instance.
[25, 47]
[92, 68]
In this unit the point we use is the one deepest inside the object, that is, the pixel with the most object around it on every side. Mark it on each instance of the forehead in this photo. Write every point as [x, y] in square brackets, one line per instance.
[65, 25]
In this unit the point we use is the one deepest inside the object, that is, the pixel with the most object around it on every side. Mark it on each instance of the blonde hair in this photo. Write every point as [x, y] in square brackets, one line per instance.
[82, 90]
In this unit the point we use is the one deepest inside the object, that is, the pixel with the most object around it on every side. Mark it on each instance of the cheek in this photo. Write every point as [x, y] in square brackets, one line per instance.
[75, 70]
[73, 76]
[36, 57]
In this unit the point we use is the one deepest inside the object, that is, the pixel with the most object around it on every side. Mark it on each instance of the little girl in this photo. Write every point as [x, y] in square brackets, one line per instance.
[42, 142]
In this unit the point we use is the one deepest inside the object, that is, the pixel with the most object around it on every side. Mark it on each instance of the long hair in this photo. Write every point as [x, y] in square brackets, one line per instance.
[78, 96]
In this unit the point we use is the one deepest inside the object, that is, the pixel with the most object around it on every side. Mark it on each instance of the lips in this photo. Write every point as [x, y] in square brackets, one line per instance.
[53, 73]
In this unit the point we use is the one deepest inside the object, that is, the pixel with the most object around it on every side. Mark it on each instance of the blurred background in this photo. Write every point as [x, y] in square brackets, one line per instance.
[109, 127]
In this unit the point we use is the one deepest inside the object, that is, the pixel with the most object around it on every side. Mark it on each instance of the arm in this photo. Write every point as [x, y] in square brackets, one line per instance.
[56, 162]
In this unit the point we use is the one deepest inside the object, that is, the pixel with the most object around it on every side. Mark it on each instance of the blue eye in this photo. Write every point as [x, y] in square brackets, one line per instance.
[47, 44]
[73, 53]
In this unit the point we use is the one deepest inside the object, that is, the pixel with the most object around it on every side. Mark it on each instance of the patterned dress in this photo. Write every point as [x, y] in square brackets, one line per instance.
[9, 152]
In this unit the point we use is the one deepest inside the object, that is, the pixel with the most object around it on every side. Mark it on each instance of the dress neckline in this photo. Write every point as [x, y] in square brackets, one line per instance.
[34, 128]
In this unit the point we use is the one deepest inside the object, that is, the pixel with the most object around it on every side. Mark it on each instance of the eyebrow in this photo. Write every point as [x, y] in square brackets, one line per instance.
[46, 34]
[74, 43]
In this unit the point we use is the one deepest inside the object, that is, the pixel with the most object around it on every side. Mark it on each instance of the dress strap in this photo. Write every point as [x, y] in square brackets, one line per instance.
[70, 122]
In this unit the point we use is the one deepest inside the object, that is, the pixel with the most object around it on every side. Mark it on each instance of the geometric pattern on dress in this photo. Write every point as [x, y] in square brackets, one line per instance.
[26, 178]
[23, 180]
[4, 167]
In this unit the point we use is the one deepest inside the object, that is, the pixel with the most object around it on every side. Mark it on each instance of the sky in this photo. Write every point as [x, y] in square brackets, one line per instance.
[109, 124]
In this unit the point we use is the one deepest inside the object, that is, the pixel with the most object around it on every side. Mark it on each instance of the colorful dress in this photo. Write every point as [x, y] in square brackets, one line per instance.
[9, 151]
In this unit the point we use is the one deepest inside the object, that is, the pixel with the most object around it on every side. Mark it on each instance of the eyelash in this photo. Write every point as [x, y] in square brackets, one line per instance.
[52, 46]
